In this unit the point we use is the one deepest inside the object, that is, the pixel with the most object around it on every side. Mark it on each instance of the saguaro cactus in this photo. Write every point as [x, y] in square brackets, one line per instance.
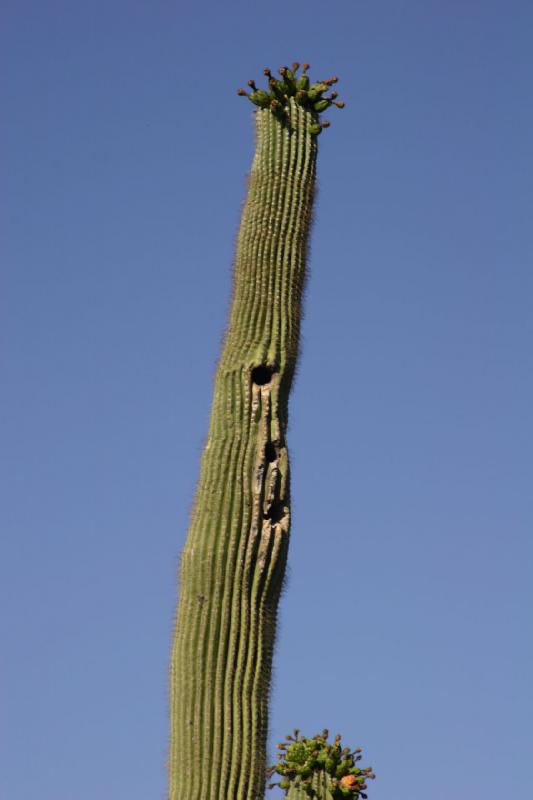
[233, 562]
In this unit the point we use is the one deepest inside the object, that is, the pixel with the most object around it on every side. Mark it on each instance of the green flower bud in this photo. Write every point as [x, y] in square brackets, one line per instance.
[342, 769]
[288, 84]
[302, 82]
[278, 93]
[260, 98]
[322, 104]
[316, 89]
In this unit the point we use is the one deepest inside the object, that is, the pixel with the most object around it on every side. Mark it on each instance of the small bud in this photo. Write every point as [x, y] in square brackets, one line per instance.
[339, 104]
[242, 93]
[325, 733]
[305, 67]
[321, 105]
[252, 85]
[333, 95]
[275, 86]
[325, 124]
[329, 81]
[267, 72]
[295, 66]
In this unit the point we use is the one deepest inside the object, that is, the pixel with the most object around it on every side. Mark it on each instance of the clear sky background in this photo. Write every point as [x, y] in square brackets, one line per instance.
[406, 621]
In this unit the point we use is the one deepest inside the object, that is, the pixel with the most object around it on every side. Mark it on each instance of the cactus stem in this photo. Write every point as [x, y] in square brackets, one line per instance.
[236, 550]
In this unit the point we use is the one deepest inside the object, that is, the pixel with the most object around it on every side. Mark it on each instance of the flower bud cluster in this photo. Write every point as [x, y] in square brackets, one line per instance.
[311, 96]
[301, 758]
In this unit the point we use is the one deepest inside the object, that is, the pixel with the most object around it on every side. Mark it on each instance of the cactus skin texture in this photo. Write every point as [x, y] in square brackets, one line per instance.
[233, 562]
[315, 769]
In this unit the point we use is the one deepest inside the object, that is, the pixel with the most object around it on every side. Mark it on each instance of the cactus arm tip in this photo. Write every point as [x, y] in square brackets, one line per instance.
[318, 769]
[310, 96]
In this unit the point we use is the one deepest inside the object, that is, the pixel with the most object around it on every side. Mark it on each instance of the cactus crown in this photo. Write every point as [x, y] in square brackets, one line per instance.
[301, 759]
[310, 96]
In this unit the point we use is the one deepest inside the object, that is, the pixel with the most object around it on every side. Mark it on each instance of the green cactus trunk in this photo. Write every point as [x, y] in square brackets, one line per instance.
[233, 562]
[320, 788]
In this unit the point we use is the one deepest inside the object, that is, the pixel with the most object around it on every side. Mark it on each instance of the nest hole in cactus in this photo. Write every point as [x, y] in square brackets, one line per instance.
[270, 453]
[262, 374]
[276, 512]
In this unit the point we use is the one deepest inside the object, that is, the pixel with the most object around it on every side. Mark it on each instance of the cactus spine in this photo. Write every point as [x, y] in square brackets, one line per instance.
[233, 562]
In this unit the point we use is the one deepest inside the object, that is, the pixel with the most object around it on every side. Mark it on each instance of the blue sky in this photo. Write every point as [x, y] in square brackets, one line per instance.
[406, 621]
